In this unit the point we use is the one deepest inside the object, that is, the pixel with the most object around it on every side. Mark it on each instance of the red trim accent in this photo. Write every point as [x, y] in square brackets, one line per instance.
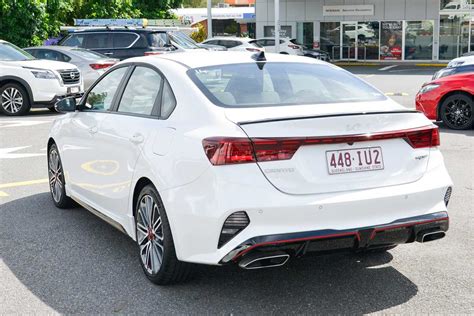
[405, 225]
[356, 234]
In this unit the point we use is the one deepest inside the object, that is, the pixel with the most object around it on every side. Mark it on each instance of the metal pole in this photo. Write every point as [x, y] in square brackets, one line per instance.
[209, 18]
[277, 26]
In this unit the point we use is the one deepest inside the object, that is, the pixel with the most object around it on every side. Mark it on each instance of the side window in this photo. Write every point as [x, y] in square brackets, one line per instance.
[74, 40]
[269, 43]
[140, 94]
[101, 96]
[123, 40]
[213, 42]
[97, 40]
[168, 102]
[65, 58]
[49, 55]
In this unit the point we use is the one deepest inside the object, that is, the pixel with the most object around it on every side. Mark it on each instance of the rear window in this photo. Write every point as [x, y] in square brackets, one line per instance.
[274, 84]
[88, 54]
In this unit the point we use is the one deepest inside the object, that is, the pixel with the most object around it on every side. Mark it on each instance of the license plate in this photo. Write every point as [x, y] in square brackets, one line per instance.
[74, 89]
[354, 160]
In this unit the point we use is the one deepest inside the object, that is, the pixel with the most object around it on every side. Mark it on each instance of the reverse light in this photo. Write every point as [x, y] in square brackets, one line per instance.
[236, 150]
[428, 88]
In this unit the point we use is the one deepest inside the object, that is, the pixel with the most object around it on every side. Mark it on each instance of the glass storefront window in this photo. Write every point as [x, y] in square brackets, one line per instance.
[330, 38]
[304, 34]
[269, 30]
[456, 5]
[419, 40]
[368, 34]
[453, 35]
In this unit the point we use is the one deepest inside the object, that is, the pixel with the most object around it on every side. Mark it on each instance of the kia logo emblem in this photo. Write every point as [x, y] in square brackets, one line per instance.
[73, 75]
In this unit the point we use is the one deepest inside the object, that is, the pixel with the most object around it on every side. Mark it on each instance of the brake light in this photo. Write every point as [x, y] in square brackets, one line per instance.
[423, 138]
[101, 66]
[233, 150]
[152, 53]
[228, 150]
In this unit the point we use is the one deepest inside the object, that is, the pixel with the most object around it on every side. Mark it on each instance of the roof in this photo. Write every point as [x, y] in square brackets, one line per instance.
[211, 58]
[56, 47]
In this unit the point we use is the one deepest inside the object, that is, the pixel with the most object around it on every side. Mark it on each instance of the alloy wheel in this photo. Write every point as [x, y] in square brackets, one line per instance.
[55, 175]
[150, 234]
[458, 113]
[12, 100]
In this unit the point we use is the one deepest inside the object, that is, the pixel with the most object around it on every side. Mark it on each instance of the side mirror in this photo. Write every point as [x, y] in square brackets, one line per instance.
[66, 105]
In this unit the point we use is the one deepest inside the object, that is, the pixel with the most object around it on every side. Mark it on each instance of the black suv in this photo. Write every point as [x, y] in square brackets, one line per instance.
[122, 42]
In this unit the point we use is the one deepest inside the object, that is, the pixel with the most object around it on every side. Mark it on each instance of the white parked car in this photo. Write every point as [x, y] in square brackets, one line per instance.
[26, 82]
[287, 46]
[238, 158]
[235, 43]
[461, 61]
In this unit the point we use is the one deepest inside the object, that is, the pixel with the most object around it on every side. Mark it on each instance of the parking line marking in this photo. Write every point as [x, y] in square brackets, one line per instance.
[3, 194]
[23, 183]
[388, 67]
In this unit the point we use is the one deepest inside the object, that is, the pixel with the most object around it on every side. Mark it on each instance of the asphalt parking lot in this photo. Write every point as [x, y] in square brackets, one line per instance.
[69, 261]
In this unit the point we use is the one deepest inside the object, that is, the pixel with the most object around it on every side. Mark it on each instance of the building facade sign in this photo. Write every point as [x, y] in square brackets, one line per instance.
[343, 10]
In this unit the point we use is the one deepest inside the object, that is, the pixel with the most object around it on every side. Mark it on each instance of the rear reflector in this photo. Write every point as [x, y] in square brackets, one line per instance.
[101, 66]
[233, 150]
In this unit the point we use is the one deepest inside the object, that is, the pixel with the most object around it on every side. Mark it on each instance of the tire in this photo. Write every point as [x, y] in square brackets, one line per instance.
[156, 251]
[57, 182]
[14, 100]
[457, 111]
[53, 109]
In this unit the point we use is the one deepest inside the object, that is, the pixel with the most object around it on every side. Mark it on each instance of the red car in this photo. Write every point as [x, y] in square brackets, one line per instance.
[449, 99]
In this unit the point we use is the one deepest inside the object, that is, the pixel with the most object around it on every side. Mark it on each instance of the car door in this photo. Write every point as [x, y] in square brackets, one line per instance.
[83, 150]
[126, 133]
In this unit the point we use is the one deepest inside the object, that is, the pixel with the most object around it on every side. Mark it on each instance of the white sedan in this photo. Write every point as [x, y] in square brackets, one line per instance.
[240, 158]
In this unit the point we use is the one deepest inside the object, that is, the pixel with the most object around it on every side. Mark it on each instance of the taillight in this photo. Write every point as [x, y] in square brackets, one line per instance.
[233, 150]
[293, 46]
[152, 53]
[423, 138]
[228, 150]
[252, 49]
[101, 66]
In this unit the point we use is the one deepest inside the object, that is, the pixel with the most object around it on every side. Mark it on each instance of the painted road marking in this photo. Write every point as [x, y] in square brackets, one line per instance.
[23, 183]
[7, 153]
[21, 123]
[3, 194]
[388, 67]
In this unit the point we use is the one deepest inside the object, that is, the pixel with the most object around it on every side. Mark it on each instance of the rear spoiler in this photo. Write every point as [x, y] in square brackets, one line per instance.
[279, 119]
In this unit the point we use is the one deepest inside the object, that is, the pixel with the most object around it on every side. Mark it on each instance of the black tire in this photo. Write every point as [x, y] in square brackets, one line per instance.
[284, 53]
[57, 182]
[13, 91]
[53, 109]
[170, 269]
[457, 111]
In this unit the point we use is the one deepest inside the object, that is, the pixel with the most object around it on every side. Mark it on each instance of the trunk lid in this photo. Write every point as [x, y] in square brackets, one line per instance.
[310, 171]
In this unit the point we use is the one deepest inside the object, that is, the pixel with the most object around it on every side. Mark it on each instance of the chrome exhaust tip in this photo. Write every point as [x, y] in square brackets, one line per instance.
[430, 236]
[261, 261]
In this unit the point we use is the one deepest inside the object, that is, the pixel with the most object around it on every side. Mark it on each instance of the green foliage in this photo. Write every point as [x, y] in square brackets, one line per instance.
[30, 22]
[199, 35]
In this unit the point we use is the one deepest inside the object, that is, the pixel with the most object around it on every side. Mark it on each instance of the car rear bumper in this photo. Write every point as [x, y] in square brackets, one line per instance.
[401, 231]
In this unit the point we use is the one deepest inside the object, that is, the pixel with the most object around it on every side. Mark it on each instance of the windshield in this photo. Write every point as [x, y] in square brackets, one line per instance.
[274, 84]
[182, 40]
[88, 54]
[9, 52]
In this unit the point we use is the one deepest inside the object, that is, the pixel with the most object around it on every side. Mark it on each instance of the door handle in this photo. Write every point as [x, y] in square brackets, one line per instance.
[137, 138]
[108, 53]
[93, 129]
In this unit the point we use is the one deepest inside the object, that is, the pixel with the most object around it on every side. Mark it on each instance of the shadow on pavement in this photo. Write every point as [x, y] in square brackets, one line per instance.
[74, 262]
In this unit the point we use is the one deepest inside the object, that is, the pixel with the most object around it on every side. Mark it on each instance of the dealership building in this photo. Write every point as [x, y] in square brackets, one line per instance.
[372, 30]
